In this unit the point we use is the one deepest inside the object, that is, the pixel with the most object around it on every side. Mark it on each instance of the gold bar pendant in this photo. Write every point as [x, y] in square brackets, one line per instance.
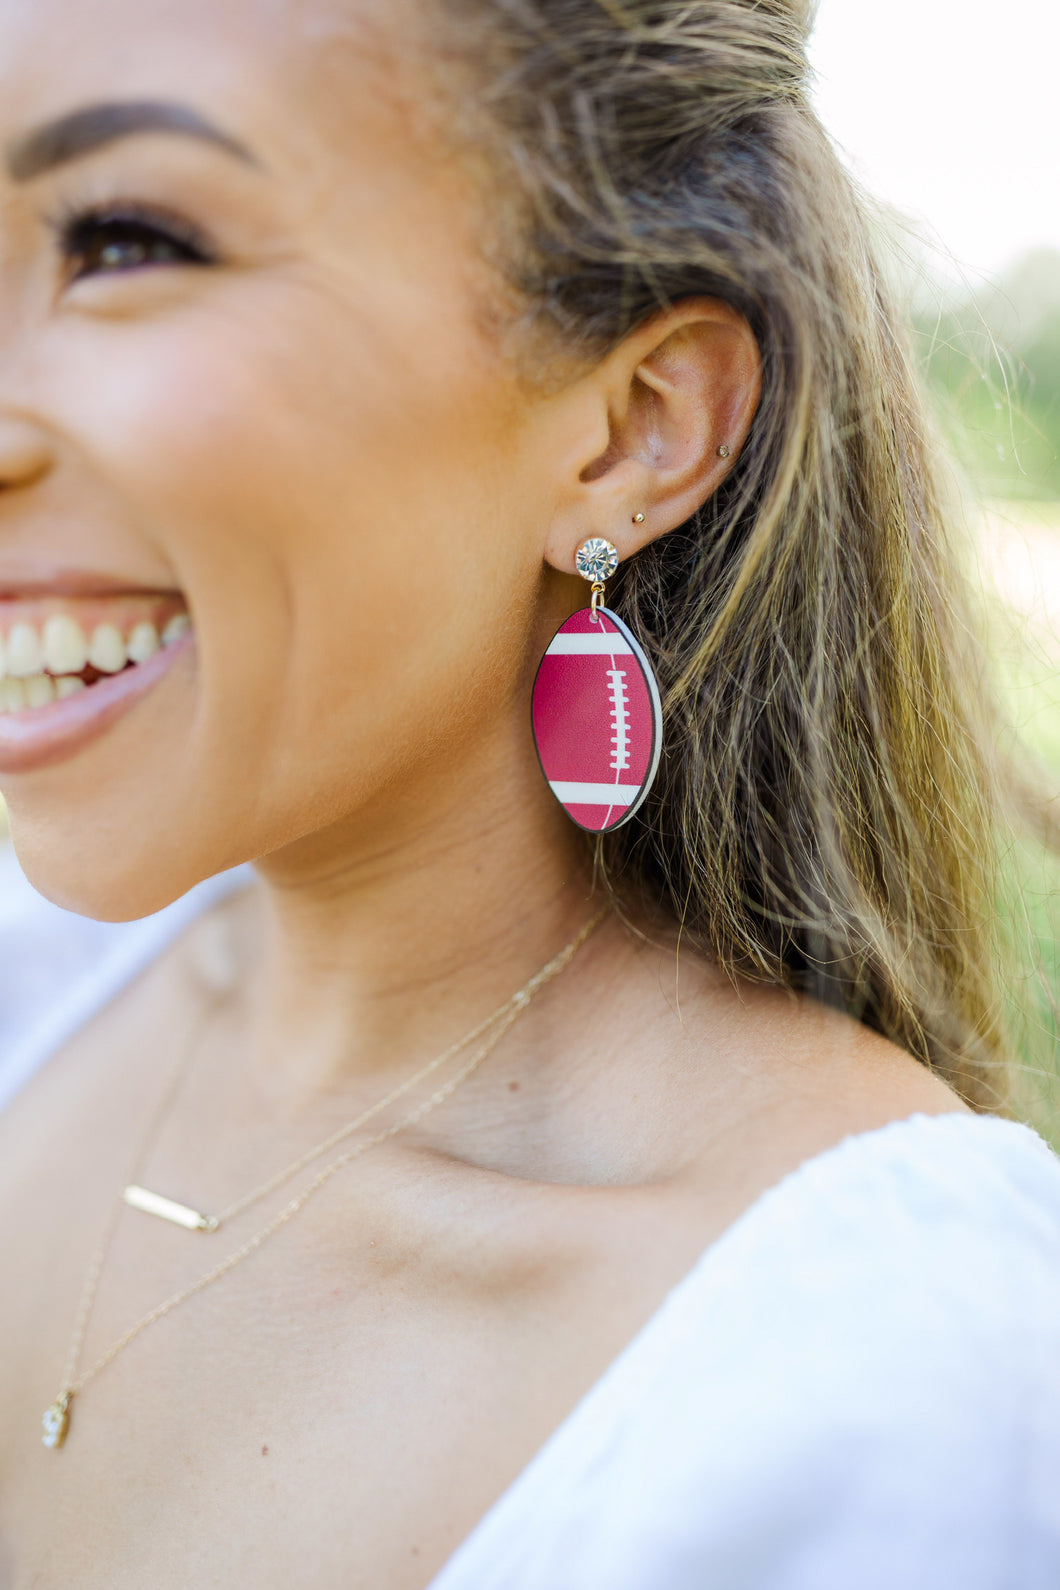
[180, 1215]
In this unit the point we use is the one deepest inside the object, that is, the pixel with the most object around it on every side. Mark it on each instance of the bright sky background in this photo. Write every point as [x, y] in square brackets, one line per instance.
[950, 111]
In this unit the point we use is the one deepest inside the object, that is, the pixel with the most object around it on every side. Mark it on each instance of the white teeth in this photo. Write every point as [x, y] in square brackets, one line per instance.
[65, 646]
[40, 690]
[24, 654]
[64, 652]
[142, 643]
[69, 687]
[178, 625]
[107, 649]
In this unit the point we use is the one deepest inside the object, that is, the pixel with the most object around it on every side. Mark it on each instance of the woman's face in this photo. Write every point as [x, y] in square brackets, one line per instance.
[248, 372]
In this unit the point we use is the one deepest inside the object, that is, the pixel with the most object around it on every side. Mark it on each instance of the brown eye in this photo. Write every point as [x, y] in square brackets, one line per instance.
[96, 244]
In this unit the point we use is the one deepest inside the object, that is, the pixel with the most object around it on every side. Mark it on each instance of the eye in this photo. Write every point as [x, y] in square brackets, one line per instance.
[118, 238]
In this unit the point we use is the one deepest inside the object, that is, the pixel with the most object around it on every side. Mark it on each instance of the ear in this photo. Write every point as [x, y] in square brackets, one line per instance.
[677, 397]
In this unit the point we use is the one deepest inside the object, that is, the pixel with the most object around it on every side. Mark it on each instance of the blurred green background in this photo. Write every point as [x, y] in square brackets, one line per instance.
[991, 359]
[946, 117]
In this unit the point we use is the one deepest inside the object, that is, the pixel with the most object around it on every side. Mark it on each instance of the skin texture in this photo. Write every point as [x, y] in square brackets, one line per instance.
[323, 443]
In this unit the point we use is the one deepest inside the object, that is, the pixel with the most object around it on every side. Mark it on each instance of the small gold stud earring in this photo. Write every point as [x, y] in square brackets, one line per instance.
[638, 518]
[724, 450]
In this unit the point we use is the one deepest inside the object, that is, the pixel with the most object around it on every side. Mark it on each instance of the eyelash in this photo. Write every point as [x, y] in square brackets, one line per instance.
[84, 235]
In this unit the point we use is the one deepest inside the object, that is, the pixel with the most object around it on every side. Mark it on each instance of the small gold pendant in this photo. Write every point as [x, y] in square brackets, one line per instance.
[178, 1214]
[56, 1421]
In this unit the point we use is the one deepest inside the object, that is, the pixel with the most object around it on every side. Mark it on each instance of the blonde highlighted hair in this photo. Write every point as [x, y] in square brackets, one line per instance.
[827, 813]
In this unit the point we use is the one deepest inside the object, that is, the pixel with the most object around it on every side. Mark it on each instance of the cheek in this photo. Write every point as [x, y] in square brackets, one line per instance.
[342, 509]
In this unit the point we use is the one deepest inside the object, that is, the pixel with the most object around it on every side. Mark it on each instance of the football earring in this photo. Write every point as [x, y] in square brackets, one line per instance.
[597, 717]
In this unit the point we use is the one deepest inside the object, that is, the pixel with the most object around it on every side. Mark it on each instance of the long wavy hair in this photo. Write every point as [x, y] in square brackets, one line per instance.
[828, 810]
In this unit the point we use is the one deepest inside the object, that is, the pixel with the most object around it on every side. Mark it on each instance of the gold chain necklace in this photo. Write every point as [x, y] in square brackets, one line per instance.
[56, 1419]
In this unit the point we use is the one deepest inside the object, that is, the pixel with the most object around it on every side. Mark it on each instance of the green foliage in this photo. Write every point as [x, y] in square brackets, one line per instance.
[1027, 665]
[992, 360]
[1032, 913]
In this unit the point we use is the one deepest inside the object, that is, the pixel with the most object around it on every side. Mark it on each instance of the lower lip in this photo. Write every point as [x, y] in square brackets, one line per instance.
[40, 736]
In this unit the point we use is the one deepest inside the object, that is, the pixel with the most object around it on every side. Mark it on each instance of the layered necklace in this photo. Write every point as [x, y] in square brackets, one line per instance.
[482, 1040]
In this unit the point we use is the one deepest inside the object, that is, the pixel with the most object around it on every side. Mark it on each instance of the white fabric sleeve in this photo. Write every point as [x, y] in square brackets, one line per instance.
[858, 1388]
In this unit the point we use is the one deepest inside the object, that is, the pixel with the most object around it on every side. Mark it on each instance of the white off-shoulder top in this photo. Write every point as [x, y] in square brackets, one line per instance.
[856, 1388]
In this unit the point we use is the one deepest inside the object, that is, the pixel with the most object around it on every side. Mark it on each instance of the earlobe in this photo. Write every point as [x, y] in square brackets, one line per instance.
[681, 391]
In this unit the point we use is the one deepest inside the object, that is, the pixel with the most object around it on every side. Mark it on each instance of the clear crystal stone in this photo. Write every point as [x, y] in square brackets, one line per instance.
[597, 560]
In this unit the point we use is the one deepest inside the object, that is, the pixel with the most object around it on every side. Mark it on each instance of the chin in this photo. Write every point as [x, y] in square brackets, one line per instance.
[109, 876]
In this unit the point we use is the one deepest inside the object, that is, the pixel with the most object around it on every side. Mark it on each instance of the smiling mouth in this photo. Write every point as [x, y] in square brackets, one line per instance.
[51, 650]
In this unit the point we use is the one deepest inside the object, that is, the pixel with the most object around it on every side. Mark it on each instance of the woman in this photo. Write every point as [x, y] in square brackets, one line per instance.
[621, 1211]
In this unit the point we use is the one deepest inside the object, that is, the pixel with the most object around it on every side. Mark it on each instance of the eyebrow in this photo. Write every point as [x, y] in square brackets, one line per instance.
[83, 131]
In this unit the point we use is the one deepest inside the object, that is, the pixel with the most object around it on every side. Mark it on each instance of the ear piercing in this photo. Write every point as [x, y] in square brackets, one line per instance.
[638, 518]
[724, 451]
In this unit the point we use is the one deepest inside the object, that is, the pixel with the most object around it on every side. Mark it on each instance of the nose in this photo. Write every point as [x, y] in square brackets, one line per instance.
[25, 454]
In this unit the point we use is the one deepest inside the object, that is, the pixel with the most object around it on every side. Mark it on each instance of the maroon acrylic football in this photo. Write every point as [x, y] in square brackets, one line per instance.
[597, 720]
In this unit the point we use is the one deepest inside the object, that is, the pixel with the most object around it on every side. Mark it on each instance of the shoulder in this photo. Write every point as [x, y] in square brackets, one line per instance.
[921, 1183]
[909, 1279]
[880, 1339]
[859, 1384]
[928, 1249]
[57, 969]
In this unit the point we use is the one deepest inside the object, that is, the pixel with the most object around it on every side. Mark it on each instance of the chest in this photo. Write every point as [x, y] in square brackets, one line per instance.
[291, 1432]
[341, 1408]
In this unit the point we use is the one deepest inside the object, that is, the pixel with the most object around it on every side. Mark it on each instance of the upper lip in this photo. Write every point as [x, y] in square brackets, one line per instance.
[42, 582]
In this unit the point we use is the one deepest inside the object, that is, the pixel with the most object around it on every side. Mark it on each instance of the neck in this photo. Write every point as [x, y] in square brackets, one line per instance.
[373, 956]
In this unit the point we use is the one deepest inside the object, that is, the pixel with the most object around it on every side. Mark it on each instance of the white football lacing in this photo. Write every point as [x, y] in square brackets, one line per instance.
[619, 721]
